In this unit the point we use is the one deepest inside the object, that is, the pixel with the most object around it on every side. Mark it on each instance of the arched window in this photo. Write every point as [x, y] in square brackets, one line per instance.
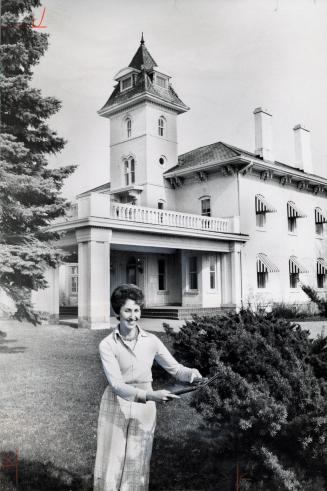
[128, 127]
[129, 171]
[161, 126]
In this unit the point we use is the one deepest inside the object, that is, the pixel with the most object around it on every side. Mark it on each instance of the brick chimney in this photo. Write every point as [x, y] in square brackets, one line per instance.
[302, 140]
[263, 133]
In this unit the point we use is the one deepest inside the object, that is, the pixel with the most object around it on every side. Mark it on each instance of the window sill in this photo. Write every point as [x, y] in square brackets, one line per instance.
[162, 292]
[261, 229]
[294, 234]
[191, 292]
[319, 237]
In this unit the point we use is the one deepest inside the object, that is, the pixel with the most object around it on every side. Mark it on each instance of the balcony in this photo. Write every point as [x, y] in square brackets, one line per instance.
[169, 218]
[98, 206]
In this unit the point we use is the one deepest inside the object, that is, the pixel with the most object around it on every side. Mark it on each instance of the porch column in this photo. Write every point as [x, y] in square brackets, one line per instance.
[93, 277]
[46, 301]
[236, 275]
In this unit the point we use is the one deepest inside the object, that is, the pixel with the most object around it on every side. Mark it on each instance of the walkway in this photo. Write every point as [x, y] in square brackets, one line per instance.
[156, 325]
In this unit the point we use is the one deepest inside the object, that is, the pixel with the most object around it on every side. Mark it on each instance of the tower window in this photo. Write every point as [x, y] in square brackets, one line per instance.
[129, 128]
[161, 126]
[132, 170]
[206, 207]
[129, 171]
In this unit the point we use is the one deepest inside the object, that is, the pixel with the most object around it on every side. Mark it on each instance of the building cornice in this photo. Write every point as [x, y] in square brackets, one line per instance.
[146, 96]
[260, 169]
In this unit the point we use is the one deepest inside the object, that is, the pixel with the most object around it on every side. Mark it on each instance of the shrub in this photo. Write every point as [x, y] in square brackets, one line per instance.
[314, 297]
[269, 402]
[286, 310]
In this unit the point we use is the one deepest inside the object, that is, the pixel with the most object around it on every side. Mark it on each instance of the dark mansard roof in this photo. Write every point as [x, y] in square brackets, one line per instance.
[143, 84]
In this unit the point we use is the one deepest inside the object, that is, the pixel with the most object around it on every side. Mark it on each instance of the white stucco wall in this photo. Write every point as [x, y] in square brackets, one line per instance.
[146, 147]
[275, 240]
[221, 190]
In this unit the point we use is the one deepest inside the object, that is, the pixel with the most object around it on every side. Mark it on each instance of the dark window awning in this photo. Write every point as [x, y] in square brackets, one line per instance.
[320, 216]
[293, 211]
[262, 205]
[321, 265]
[265, 265]
[295, 266]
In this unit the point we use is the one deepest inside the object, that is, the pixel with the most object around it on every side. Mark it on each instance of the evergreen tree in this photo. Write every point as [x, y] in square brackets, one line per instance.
[29, 190]
[269, 404]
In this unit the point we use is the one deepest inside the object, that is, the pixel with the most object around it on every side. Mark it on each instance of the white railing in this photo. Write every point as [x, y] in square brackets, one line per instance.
[142, 214]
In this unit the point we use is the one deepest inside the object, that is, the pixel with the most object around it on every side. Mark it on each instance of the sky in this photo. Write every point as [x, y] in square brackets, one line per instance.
[225, 57]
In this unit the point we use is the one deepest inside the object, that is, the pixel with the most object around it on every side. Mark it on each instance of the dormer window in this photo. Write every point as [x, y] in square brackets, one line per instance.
[126, 83]
[161, 81]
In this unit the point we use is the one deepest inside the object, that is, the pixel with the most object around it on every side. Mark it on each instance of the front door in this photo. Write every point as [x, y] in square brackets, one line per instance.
[131, 271]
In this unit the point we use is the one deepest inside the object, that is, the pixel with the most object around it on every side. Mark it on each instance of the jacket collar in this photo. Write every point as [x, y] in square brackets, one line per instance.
[117, 333]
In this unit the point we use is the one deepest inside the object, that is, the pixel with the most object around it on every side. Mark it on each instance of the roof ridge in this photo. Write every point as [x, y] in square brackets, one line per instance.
[241, 150]
[203, 146]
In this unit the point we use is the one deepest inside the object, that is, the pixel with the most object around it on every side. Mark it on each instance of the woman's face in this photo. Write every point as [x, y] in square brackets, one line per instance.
[129, 314]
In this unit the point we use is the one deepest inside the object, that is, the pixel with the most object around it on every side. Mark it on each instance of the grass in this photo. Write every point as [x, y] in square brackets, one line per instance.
[51, 385]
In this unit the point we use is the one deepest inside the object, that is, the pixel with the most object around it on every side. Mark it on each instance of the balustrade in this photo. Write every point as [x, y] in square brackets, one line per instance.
[132, 213]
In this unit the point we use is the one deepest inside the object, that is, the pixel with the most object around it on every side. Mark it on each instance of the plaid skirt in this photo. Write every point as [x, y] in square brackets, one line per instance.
[124, 443]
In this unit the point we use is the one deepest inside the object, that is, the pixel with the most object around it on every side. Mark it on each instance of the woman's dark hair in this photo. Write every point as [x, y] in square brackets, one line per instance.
[123, 293]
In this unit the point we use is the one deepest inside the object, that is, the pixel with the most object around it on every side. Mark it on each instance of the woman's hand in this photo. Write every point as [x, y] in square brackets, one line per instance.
[160, 395]
[196, 376]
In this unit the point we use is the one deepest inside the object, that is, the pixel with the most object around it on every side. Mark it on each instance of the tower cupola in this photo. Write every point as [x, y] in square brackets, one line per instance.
[142, 80]
[143, 110]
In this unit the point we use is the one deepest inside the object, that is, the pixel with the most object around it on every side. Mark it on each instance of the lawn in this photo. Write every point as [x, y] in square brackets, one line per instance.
[51, 385]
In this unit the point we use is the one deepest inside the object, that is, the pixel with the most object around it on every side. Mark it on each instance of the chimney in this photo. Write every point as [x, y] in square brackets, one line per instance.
[302, 140]
[263, 133]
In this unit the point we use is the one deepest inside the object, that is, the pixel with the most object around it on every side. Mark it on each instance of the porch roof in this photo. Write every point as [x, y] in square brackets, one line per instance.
[151, 235]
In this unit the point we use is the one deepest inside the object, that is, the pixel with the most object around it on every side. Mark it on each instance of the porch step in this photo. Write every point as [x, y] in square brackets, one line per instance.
[68, 310]
[183, 313]
[153, 313]
[169, 312]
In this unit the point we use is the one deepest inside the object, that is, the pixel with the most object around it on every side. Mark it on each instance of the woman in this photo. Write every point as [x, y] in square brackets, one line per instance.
[127, 415]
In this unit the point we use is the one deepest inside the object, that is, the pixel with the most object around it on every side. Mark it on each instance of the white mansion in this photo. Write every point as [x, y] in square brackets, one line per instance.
[204, 231]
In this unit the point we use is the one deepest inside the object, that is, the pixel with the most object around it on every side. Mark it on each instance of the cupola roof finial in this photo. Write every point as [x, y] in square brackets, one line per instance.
[142, 39]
